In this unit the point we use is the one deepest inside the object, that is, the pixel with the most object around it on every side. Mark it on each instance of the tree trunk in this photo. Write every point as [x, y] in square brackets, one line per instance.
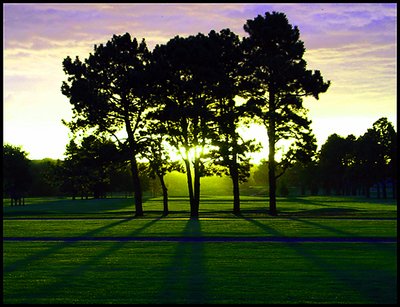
[190, 186]
[137, 189]
[195, 212]
[271, 156]
[272, 183]
[165, 195]
[235, 184]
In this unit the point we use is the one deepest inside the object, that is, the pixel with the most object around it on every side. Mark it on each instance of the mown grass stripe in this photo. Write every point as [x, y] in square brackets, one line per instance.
[209, 239]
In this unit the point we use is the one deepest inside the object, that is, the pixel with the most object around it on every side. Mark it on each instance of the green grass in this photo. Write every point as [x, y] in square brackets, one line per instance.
[211, 206]
[168, 227]
[200, 272]
[65, 207]
[173, 272]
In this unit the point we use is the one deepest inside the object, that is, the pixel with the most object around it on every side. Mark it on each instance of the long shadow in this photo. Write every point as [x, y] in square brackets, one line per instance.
[68, 278]
[267, 229]
[186, 276]
[20, 264]
[345, 277]
[329, 228]
[305, 201]
[68, 207]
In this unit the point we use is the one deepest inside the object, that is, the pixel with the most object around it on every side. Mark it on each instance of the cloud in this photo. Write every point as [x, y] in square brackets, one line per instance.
[319, 24]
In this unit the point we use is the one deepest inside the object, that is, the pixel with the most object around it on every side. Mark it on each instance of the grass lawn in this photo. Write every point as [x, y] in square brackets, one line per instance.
[200, 272]
[161, 272]
[169, 227]
[211, 206]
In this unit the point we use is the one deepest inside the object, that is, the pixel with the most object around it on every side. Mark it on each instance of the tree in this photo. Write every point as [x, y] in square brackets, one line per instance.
[183, 67]
[159, 159]
[16, 173]
[303, 176]
[377, 156]
[230, 148]
[387, 158]
[336, 163]
[70, 172]
[277, 80]
[88, 166]
[108, 93]
[45, 181]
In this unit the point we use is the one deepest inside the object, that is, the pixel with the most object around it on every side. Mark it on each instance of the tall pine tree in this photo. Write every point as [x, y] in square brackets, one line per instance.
[277, 80]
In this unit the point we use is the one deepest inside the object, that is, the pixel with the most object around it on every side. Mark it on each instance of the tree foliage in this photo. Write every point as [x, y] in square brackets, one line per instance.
[277, 80]
[183, 94]
[108, 93]
[159, 164]
[16, 172]
[184, 70]
[88, 166]
[230, 149]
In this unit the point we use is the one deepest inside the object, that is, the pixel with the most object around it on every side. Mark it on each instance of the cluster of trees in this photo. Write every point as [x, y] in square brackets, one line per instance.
[132, 105]
[16, 174]
[86, 172]
[95, 167]
[92, 168]
[184, 94]
[349, 165]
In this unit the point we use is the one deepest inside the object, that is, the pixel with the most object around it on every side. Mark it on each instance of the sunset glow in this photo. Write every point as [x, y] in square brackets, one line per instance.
[353, 45]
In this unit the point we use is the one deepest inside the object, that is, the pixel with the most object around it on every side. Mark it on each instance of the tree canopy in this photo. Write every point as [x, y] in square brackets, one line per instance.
[277, 80]
[16, 172]
[184, 93]
[108, 93]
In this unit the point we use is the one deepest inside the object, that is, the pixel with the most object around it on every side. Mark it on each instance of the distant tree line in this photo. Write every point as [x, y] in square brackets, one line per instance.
[82, 174]
[16, 173]
[96, 168]
[353, 166]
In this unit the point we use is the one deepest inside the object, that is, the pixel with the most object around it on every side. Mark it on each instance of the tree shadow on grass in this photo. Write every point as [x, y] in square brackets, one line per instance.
[68, 278]
[325, 227]
[48, 207]
[377, 291]
[324, 212]
[20, 264]
[186, 276]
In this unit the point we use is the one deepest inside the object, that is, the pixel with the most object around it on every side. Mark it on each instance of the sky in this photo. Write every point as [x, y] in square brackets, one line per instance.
[353, 45]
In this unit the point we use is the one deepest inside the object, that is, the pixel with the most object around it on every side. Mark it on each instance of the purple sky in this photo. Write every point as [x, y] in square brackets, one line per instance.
[353, 45]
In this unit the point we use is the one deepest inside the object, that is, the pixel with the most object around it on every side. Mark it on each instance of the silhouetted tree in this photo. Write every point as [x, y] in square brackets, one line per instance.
[303, 176]
[108, 93]
[16, 173]
[336, 163]
[367, 152]
[277, 82]
[45, 181]
[376, 156]
[154, 150]
[88, 166]
[387, 157]
[183, 67]
[69, 171]
[226, 58]
[121, 179]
